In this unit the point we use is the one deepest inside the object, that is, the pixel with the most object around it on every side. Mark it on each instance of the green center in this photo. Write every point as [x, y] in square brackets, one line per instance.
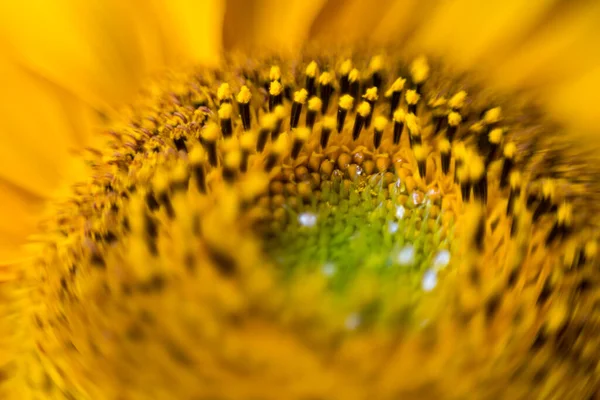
[363, 231]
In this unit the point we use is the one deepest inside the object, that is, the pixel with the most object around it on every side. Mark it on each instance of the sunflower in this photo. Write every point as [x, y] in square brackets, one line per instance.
[305, 200]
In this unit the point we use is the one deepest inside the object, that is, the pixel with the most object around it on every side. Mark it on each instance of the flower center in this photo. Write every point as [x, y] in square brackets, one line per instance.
[302, 229]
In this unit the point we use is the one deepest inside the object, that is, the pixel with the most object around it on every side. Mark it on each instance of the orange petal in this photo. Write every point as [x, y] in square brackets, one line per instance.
[348, 21]
[269, 24]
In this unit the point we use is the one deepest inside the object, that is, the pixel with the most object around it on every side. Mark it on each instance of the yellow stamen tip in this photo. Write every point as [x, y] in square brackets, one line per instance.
[354, 75]
[225, 111]
[397, 86]
[413, 124]
[224, 91]
[346, 67]
[399, 115]
[302, 133]
[376, 63]
[364, 109]
[329, 123]
[311, 69]
[380, 123]
[419, 70]
[493, 115]
[420, 153]
[325, 78]
[211, 132]
[371, 94]
[565, 213]
[515, 179]
[346, 102]
[275, 88]
[510, 150]
[300, 96]
[268, 122]
[458, 100]
[233, 159]
[197, 155]
[280, 112]
[412, 97]
[444, 146]
[495, 135]
[248, 141]
[476, 167]
[315, 104]
[454, 119]
[244, 95]
[275, 73]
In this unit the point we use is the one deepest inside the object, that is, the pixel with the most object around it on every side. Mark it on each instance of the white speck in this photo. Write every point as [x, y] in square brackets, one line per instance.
[393, 227]
[398, 183]
[431, 192]
[406, 255]
[429, 280]
[416, 200]
[441, 259]
[400, 211]
[307, 219]
[328, 269]
[353, 321]
[359, 170]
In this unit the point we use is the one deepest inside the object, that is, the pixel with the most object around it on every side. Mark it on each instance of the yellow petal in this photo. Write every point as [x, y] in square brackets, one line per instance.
[348, 21]
[90, 48]
[562, 48]
[190, 30]
[466, 31]
[40, 124]
[576, 102]
[17, 221]
[269, 24]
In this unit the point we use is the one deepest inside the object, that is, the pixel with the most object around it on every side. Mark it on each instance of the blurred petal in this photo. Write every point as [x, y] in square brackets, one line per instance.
[191, 30]
[562, 48]
[269, 24]
[576, 101]
[348, 21]
[466, 31]
[40, 125]
[90, 48]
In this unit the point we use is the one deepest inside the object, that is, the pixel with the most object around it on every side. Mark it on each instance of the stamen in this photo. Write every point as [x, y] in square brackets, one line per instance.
[299, 100]
[375, 66]
[197, 161]
[325, 90]
[328, 126]
[345, 103]
[225, 117]
[267, 125]
[394, 93]
[412, 98]
[364, 110]
[243, 99]
[311, 74]
[275, 95]
[454, 119]
[224, 93]
[371, 97]
[210, 135]
[379, 127]
[314, 106]
[345, 69]
[302, 135]
[510, 150]
[399, 118]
